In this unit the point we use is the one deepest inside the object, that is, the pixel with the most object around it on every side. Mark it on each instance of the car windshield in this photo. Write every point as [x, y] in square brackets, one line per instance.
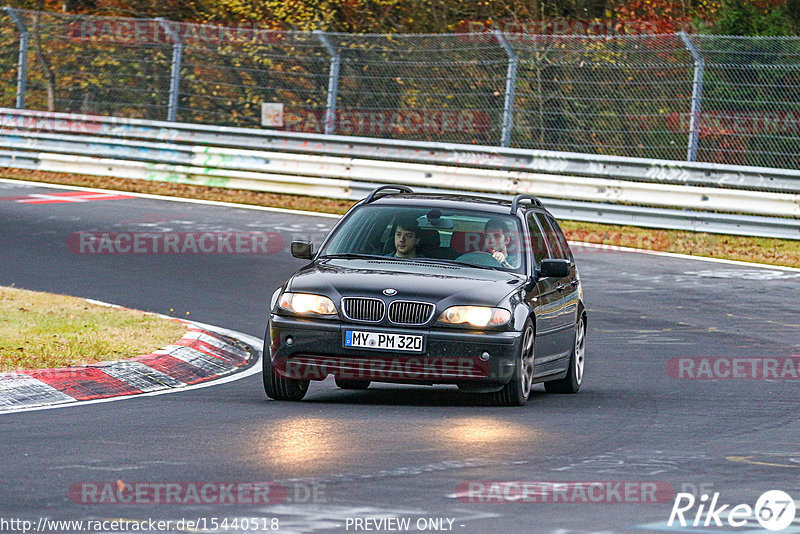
[457, 236]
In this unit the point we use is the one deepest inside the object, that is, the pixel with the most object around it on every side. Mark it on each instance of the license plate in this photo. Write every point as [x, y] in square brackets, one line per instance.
[382, 341]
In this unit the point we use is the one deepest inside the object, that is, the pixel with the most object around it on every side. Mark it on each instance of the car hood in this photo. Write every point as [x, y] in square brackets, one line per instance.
[444, 285]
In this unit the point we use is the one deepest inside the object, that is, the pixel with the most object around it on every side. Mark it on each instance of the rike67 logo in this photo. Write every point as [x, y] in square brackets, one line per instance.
[774, 510]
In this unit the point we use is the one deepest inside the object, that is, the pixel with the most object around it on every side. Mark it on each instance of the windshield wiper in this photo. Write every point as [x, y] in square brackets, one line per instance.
[453, 262]
[436, 260]
[353, 255]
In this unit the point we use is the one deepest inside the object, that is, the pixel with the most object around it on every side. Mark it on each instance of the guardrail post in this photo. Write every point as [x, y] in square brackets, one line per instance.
[511, 84]
[697, 96]
[333, 82]
[22, 62]
[175, 74]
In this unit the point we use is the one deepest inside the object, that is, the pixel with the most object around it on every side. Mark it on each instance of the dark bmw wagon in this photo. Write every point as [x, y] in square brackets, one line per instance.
[432, 289]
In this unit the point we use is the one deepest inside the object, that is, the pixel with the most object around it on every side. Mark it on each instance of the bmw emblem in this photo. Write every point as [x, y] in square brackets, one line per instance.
[389, 292]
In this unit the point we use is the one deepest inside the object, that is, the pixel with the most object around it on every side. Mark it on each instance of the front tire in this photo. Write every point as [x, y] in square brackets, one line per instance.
[518, 390]
[345, 383]
[277, 387]
[572, 382]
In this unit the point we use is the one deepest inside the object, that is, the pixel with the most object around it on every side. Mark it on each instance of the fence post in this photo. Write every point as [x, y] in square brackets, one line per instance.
[22, 62]
[175, 74]
[511, 84]
[697, 96]
[333, 82]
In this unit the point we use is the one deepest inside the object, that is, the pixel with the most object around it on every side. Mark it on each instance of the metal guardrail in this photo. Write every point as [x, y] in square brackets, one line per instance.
[260, 170]
[575, 186]
[575, 164]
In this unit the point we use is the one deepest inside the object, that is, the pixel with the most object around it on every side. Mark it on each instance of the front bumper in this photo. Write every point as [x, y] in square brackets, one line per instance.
[313, 349]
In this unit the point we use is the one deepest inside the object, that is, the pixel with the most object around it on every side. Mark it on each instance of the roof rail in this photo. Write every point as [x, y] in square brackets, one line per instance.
[517, 198]
[373, 194]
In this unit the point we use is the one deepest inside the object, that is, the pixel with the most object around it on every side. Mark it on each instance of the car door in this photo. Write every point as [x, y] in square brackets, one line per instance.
[543, 299]
[567, 287]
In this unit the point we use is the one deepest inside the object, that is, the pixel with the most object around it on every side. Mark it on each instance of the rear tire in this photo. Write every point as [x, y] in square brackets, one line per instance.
[572, 382]
[518, 390]
[279, 388]
[345, 383]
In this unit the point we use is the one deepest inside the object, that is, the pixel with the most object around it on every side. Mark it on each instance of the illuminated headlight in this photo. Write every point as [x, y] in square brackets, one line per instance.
[479, 316]
[307, 304]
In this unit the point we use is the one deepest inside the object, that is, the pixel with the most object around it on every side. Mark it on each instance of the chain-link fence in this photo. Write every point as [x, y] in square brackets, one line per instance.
[710, 98]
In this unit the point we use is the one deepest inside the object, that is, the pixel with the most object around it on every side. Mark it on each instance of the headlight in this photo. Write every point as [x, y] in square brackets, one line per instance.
[307, 304]
[479, 316]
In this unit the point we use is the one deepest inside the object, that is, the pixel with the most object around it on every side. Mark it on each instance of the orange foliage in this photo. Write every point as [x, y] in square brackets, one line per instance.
[667, 16]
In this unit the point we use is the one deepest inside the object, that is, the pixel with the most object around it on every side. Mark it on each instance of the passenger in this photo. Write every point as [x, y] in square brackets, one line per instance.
[497, 240]
[406, 238]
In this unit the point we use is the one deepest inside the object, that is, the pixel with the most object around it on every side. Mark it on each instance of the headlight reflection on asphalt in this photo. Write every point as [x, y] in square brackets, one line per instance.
[303, 444]
[315, 445]
[484, 432]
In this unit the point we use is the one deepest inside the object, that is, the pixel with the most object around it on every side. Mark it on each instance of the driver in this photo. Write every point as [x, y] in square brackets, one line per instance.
[497, 239]
[406, 238]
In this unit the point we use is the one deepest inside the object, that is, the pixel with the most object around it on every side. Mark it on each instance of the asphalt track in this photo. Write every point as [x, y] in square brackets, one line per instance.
[405, 452]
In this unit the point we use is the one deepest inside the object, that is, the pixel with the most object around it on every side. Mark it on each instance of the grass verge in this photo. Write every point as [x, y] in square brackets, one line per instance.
[755, 249]
[43, 330]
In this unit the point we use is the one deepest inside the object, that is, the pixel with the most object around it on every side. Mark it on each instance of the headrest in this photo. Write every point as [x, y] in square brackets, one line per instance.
[428, 237]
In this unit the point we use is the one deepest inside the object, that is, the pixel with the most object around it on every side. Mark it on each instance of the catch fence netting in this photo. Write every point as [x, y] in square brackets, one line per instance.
[711, 98]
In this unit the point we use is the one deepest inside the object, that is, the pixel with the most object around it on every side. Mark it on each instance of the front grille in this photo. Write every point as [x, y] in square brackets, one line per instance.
[409, 312]
[363, 309]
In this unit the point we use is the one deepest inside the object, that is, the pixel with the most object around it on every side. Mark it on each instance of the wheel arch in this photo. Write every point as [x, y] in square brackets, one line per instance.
[523, 312]
[582, 314]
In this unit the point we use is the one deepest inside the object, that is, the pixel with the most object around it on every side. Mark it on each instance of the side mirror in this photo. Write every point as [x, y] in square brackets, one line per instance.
[554, 268]
[302, 249]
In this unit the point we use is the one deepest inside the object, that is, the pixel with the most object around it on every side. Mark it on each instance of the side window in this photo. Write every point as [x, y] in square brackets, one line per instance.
[562, 241]
[538, 244]
[556, 251]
